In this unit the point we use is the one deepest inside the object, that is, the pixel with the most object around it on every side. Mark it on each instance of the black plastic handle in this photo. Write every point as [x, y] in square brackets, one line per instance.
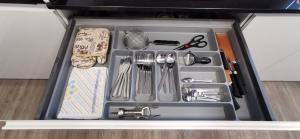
[235, 88]
[166, 42]
[202, 60]
[235, 103]
[239, 83]
[225, 63]
[236, 66]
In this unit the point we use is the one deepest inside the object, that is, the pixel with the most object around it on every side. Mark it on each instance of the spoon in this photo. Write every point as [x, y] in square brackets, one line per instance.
[170, 64]
[170, 60]
[191, 80]
[161, 60]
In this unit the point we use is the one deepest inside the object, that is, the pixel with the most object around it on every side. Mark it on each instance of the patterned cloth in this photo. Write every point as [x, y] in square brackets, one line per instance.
[91, 45]
[84, 94]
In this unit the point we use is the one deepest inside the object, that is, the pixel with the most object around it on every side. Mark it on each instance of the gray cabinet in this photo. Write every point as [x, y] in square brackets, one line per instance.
[273, 41]
[29, 40]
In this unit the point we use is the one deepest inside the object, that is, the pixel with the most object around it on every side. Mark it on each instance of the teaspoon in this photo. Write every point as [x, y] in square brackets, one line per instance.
[191, 80]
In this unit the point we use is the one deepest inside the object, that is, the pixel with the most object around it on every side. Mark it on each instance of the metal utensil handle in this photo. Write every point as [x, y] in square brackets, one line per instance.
[114, 87]
[142, 80]
[128, 82]
[137, 82]
[123, 81]
[116, 83]
[162, 79]
[163, 68]
[124, 86]
[146, 81]
[150, 81]
[133, 112]
[205, 81]
[172, 81]
[121, 86]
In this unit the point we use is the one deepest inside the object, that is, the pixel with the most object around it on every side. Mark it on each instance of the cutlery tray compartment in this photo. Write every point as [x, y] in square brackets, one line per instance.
[169, 106]
[180, 34]
[178, 111]
[212, 74]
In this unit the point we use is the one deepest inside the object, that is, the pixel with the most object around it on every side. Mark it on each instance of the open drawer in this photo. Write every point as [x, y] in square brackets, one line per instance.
[253, 106]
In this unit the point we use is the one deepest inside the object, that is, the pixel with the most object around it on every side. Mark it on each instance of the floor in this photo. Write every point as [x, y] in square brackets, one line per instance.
[284, 98]
[19, 99]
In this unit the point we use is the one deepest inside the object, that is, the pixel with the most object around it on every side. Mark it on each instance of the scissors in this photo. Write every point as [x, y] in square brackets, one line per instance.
[197, 41]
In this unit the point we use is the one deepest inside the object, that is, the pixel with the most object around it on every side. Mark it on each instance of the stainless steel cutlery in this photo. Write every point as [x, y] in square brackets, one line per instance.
[139, 113]
[190, 59]
[144, 62]
[198, 94]
[192, 80]
[121, 86]
[167, 62]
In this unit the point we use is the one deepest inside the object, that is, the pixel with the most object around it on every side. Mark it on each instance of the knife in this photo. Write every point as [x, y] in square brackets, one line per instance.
[166, 42]
[235, 88]
[239, 83]
[225, 63]
[236, 66]
[235, 103]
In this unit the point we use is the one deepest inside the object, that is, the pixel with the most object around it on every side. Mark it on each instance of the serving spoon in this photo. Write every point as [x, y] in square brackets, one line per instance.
[191, 80]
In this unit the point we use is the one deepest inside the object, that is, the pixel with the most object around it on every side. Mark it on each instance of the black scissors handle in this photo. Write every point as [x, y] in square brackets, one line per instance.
[196, 41]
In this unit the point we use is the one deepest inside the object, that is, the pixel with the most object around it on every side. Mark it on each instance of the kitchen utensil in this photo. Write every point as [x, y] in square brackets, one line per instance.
[136, 113]
[235, 80]
[201, 98]
[191, 95]
[135, 39]
[196, 41]
[239, 83]
[223, 57]
[239, 78]
[190, 59]
[235, 103]
[166, 42]
[191, 80]
[236, 66]
[144, 80]
[161, 60]
[122, 83]
[235, 88]
[170, 62]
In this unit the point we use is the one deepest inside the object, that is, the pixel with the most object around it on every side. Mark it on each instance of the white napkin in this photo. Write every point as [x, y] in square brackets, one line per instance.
[84, 94]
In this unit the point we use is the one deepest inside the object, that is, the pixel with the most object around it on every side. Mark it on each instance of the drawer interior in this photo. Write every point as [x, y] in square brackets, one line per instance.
[167, 106]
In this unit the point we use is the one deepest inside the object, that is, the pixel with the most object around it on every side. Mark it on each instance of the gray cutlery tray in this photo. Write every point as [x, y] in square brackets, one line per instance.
[173, 103]
[169, 106]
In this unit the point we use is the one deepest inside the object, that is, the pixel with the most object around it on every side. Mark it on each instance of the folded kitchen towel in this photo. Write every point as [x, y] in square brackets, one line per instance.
[84, 94]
